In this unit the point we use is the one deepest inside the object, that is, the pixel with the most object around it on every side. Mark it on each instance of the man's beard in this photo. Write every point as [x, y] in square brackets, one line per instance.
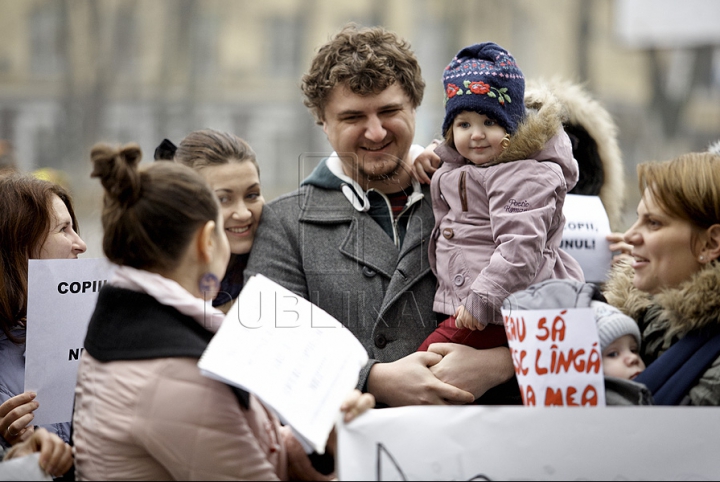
[372, 175]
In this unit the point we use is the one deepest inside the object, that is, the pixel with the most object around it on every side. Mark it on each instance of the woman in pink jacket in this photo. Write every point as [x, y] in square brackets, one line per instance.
[143, 411]
[498, 196]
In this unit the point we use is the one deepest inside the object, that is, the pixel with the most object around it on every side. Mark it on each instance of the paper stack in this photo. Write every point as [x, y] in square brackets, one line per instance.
[296, 358]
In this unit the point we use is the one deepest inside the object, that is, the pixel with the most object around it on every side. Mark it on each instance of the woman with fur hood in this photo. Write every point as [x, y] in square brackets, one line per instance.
[593, 134]
[498, 196]
[671, 285]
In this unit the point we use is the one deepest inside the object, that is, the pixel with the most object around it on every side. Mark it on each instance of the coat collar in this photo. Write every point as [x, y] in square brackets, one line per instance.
[694, 304]
[129, 325]
[365, 241]
[329, 175]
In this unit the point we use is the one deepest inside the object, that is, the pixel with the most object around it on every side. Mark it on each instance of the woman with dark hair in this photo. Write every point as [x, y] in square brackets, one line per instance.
[229, 166]
[143, 411]
[37, 221]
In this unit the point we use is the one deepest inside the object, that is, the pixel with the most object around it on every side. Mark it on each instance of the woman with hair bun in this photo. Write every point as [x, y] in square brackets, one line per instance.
[143, 411]
[37, 221]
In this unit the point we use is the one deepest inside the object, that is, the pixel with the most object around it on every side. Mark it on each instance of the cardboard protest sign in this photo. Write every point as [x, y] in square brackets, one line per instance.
[61, 299]
[586, 225]
[557, 357]
[526, 443]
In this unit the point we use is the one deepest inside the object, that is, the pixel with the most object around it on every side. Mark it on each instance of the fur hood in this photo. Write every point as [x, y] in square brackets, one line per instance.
[692, 305]
[543, 120]
[584, 112]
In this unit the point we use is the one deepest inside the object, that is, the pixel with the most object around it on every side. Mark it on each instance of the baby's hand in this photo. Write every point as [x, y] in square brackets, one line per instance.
[463, 319]
[617, 244]
[426, 163]
[355, 404]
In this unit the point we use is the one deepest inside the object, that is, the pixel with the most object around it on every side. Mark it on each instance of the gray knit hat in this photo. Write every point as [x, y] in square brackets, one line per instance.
[612, 324]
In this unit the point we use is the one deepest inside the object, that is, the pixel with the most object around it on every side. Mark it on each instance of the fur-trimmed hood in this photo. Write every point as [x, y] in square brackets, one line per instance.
[540, 136]
[586, 114]
[694, 304]
[543, 120]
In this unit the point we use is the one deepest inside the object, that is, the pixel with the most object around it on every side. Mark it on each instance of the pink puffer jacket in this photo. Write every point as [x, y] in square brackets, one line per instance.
[498, 227]
[132, 420]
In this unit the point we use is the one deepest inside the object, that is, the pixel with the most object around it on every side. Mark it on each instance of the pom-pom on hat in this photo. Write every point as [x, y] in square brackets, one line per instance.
[612, 324]
[484, 78]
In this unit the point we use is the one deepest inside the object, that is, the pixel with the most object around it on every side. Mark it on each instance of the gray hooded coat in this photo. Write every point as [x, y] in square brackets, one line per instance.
[338, 247]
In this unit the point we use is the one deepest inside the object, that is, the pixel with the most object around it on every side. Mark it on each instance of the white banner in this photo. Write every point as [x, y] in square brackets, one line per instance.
[557, 356]
[61, 300]
[586, 225]
[525, 443]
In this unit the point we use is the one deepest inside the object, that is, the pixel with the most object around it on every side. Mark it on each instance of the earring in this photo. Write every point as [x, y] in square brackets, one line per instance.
[209, 283]
[702, 258]
[505, 142]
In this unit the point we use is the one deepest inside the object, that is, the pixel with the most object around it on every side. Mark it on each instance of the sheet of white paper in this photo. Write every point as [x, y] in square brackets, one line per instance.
[296, 358]
[586, 225]
[61, 299]
[556, 356]
[526, 443]
[23, 468]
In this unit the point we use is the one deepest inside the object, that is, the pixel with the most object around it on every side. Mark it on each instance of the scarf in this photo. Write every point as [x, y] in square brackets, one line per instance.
[168, 292]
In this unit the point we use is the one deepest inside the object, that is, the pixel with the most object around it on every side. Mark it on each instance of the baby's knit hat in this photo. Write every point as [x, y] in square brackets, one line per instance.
[612, 324]
[484, 78]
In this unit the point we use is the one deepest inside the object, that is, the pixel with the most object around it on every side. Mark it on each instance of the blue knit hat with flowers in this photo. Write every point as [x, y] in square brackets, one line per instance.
[484, 78]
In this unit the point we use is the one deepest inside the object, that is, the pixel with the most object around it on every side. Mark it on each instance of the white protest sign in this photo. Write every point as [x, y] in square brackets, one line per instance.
[61, 300]
[586, 225]
[526, 443]
[557, 356]
[296, 358]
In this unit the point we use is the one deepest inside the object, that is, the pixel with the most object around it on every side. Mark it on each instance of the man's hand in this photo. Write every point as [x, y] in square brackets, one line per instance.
[409, 381]
[475, 371]
[16, 413]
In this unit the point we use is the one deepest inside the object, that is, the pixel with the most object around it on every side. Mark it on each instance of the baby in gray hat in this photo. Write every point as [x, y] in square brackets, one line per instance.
[618, 333]
[619, 341]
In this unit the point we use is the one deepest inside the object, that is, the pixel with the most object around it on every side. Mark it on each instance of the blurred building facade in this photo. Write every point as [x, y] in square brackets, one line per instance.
[74, 72]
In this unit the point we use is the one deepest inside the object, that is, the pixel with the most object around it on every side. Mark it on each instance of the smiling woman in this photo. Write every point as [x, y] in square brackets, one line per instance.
[229, 166]
[37, 221]
[62, 241]
[670, 286]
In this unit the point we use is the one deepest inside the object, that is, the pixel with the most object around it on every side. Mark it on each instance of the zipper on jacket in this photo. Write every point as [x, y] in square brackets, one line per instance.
[463, 192]
[396, 235]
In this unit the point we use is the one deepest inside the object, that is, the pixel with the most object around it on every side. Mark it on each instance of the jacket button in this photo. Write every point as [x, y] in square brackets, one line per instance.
[458, 280]
[368, 272]
[448, 233]
[380, 341]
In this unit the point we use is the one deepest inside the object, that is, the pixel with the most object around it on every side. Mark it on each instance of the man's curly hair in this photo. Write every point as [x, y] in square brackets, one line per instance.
[367, 61]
